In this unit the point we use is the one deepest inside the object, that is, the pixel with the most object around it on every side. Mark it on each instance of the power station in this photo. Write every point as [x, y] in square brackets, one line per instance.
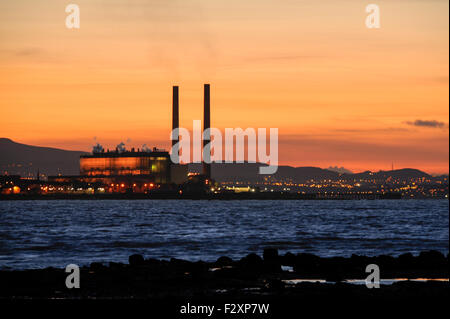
[142, 169]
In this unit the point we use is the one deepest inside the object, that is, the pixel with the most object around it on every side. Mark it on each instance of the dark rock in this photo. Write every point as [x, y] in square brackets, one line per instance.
[431, 259]
[432, 255]
[152, 262]
[356, 263]
[251, 261]
[272, 267]
[114, 266]
[199, 268]
[136, 260]
[288, 259]
[275, 284]
[334, 276]
[385, 261]
[406, 260]
[184, 279]
[306, 258]
[96, 266]
[335, 268]
[270, 254]
[223, 261]
[180, 266]
[305, 262]
[179, 262]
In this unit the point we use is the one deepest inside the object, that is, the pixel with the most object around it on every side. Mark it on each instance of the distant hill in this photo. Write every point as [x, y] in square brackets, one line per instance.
[25, 160]
[403, 174]
[248, 172]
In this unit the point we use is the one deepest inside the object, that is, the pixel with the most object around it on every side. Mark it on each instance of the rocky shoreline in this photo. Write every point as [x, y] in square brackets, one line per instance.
[269, 276]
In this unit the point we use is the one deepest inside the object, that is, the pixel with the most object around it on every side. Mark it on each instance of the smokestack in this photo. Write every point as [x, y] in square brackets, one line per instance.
[207, 125]
[175, 113]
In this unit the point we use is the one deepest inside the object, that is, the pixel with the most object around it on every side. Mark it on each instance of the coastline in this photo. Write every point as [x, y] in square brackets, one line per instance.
[224, 196]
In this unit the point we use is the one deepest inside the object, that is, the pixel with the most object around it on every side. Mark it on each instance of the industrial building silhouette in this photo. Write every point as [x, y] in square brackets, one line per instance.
[139, 170]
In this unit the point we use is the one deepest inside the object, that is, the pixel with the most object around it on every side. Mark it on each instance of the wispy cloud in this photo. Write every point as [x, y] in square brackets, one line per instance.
[428, 123]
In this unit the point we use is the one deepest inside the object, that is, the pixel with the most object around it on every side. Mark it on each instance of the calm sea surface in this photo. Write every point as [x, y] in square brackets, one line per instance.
[36, 234]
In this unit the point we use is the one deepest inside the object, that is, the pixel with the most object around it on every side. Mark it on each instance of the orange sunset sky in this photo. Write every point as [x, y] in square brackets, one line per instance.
[340, 93]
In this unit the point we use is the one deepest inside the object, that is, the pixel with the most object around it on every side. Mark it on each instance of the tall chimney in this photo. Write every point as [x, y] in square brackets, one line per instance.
[207, 125]
[175, 113]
